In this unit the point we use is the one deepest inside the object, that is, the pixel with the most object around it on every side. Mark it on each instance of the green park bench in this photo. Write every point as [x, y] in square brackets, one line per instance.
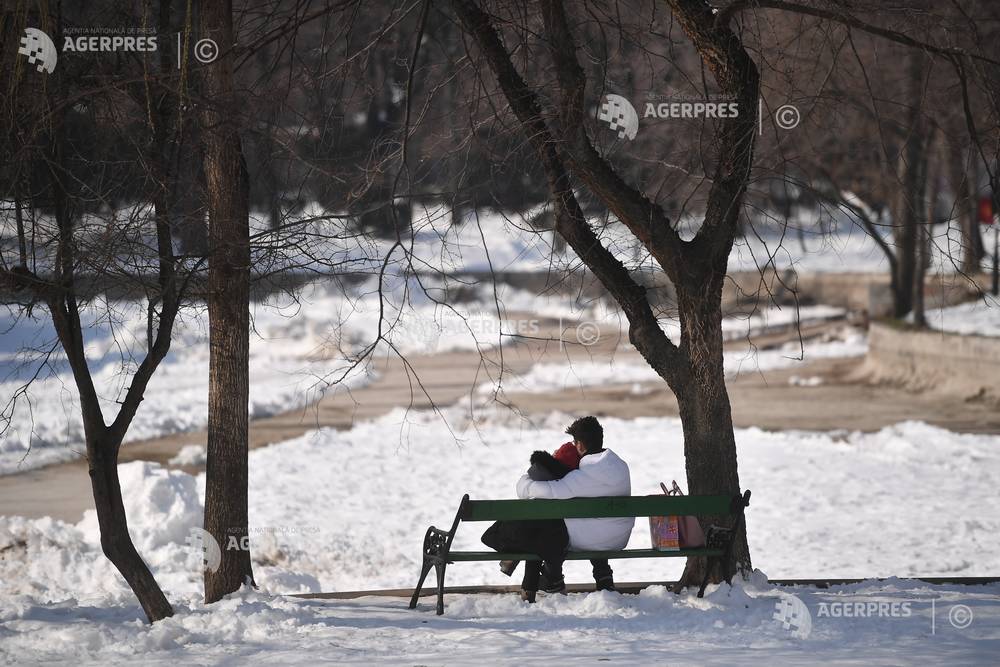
[437, 551]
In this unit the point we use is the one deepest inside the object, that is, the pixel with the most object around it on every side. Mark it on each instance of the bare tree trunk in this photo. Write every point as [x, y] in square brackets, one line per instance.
[910, 205]
[706, 416]
[22, 245]
[226, 513]
[925, 225]
[102, 460]
[103, 443]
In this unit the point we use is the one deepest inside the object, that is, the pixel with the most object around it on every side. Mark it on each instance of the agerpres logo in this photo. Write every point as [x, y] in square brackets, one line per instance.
[40, 50]
[203, 544]
[792, 615]
[620, 115]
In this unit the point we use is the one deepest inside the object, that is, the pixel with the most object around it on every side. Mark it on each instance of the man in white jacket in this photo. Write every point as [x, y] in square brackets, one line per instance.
[601, 473]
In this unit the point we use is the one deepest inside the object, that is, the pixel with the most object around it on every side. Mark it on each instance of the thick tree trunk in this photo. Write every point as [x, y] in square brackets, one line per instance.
[930, 175]
[706, 416]
[909, 203]
[226, 514]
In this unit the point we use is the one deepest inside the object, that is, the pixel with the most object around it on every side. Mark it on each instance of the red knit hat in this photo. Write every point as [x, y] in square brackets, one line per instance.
[568, 456]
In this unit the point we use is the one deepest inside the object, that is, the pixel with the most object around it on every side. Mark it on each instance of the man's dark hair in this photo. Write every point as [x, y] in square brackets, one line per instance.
[588, 431]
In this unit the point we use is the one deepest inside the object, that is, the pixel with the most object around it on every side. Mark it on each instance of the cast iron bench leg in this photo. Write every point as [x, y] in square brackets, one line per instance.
[424, 569]
[440, 567]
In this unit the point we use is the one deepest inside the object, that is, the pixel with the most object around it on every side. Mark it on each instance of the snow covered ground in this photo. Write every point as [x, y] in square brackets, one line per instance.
[314, 238]
[631, 369]
[831, 241]
[981, 317]
[919, 624]
[287, 366]
[347, 510]
[836, 245]
[326, 510]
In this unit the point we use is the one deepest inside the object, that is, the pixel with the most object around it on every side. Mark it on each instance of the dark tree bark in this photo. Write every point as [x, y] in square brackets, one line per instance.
[693, 368]
[228, 311]
[925, 224]
[910, 207]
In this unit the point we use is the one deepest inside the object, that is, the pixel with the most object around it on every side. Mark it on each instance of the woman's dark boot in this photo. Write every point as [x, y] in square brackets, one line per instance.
[508, 566]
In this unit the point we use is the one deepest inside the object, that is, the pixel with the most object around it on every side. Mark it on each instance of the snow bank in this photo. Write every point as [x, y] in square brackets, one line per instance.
[162, 506]
[52, 561]
[190, 455]
[628, 369]
[980, 317]
[729, 626]
[839, 246]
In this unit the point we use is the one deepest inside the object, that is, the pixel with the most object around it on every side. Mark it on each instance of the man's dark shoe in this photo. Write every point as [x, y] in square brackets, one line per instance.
[508, 566]
[557, 587]
[606, 584]
[527, 596]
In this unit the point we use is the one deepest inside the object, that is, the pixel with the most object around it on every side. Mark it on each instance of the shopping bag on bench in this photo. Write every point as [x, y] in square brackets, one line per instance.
[691, 534]
[664, 533]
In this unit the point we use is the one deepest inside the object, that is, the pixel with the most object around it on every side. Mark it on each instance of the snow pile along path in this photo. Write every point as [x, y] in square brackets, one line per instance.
[740, 358]
[980, 317]
[893, 622]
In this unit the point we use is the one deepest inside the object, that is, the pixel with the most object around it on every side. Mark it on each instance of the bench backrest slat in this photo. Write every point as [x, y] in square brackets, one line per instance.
[606, 507]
